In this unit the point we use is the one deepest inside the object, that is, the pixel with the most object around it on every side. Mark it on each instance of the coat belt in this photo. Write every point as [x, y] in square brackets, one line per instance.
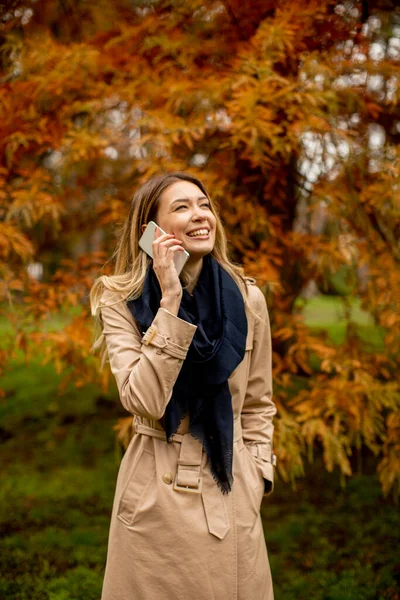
[189, 477]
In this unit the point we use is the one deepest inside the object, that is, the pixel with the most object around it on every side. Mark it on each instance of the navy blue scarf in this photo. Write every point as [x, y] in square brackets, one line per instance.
[218, 347]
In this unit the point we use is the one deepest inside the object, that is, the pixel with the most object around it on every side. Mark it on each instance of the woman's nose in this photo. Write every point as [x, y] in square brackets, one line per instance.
[197, 215]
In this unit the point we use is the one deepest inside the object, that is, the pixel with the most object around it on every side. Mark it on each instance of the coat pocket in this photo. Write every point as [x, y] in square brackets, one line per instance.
[135, 488]
[255, 481]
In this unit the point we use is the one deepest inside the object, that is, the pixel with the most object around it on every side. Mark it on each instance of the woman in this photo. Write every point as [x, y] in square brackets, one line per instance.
[192, 360]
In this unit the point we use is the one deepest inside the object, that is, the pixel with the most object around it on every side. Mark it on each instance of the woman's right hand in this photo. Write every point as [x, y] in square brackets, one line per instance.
[165, 246]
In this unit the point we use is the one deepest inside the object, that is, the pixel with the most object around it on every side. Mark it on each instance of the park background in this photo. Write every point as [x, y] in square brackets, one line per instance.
[290, 113]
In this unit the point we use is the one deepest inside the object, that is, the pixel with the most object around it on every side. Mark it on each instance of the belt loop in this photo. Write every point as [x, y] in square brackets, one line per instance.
[188, 474]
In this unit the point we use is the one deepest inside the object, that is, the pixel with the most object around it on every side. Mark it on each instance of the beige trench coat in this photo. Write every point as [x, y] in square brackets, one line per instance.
[173, 534]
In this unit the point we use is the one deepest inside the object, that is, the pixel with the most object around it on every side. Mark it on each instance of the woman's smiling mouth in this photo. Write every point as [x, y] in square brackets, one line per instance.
[199, 233]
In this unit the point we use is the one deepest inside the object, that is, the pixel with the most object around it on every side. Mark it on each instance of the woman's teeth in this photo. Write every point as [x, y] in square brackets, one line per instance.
[198, 232]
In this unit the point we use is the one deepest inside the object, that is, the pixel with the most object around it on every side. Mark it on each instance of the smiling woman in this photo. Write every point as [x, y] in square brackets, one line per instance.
[195, 371]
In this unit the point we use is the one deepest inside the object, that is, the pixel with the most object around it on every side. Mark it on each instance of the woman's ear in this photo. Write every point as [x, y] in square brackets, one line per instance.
[144, 227]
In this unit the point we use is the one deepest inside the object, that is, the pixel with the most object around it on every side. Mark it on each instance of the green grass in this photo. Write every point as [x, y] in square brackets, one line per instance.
[58, 469]
[326, 543]
[327, 313]
[322, 310]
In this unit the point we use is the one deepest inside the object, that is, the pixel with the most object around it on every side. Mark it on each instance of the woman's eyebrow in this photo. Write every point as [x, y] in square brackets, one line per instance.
[188, 199]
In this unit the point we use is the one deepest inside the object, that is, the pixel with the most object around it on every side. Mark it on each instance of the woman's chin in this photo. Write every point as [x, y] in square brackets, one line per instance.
[197, 254]
[201, 248]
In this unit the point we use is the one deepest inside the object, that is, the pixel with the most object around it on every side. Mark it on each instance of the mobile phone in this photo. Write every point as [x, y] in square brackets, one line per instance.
[147, 239]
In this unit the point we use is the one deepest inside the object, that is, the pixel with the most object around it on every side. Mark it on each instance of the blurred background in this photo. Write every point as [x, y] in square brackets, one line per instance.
[290, 113]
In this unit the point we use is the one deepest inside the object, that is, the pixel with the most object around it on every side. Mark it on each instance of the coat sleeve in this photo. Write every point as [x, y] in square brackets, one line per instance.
[145, 368]
[258, 407]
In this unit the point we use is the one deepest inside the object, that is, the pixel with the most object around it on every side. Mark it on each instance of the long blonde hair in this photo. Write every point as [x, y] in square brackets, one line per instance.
[131, 262]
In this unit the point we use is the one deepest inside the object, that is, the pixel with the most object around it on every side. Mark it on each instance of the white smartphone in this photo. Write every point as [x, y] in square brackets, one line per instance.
[147, 239]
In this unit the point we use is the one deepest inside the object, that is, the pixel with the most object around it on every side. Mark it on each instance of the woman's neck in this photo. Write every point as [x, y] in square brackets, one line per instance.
[193, 269]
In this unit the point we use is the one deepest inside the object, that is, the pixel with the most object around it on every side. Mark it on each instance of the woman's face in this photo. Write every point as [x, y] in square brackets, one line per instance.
[185, 211]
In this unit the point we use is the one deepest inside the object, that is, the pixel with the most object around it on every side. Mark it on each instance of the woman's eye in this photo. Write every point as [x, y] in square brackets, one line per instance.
[205, 204]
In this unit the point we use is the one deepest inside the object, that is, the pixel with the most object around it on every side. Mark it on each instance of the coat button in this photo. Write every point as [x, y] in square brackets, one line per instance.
[168, 478]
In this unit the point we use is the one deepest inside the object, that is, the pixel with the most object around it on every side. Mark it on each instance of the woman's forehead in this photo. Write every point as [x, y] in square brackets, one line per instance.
[181, 190]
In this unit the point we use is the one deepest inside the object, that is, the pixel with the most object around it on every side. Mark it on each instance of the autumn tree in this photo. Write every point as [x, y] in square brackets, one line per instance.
[288, 110]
